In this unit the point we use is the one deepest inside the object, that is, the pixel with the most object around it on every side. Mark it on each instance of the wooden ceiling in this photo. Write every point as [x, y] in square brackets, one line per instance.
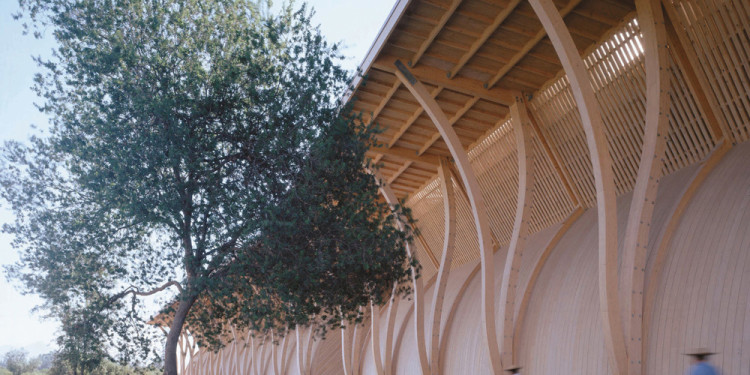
[475, 57]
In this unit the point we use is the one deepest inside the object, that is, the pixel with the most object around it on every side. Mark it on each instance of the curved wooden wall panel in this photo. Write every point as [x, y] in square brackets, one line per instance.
[702, 294]
[465, 350]
[327, 356]
[562, 328]
[534, 247]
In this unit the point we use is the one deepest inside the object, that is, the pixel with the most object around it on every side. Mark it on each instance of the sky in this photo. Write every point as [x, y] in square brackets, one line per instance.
[355, 23]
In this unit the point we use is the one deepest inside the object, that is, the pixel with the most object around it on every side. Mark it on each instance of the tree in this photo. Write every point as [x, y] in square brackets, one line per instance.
[17, 363]
[198, 146]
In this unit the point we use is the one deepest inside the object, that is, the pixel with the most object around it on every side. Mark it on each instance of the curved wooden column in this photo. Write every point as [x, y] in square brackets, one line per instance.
[449, 213]
[588, 107]
[402, 329]
[275, 357]
[267, 357]
[348, 343]
[635, 247]
[481, 220]
[509, 285]
[304, 350]
[390, 329]
[358, 340]
[300, 349]
[258, 351]
[285, 355]
[375, 337]
[390, 198]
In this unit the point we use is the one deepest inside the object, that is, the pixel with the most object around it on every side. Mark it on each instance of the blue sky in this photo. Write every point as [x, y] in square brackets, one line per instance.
[353, 22]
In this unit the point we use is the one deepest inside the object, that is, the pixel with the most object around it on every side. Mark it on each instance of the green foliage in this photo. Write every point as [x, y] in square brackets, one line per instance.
[17, 363]
[199, 142]
[60, 366]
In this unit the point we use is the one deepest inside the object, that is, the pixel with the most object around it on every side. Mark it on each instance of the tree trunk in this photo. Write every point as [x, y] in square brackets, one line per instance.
[170, 351]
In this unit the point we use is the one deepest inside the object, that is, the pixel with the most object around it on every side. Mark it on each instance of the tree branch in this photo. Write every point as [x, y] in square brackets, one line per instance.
[134, 291]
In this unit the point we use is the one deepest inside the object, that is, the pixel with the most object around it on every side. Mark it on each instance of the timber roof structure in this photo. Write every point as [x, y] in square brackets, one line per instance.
[578, 170]
[476, 58]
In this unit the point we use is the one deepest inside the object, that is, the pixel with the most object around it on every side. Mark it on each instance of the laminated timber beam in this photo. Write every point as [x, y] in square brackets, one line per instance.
[509, 284]
[437, 77]
[407, 155]
[635, 247]
[434, 33]
[593, 126]
[528, 47]
[384, 101]
[483, 38]
[449, 239]
[476, 201]
[418, 112]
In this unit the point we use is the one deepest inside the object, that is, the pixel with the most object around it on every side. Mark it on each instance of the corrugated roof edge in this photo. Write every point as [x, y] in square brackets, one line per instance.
[385, 32]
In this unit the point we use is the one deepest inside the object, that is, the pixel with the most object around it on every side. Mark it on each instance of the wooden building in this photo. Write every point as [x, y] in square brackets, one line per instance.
[580, 173]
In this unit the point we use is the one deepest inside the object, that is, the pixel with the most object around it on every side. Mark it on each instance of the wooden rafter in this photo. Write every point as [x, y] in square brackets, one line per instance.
[418, 112]
[437, 77]
[483, 38]
[461, 112]
[527, 47]
[407, 154]
[398, 173]
[384, 102]
[434, 32]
